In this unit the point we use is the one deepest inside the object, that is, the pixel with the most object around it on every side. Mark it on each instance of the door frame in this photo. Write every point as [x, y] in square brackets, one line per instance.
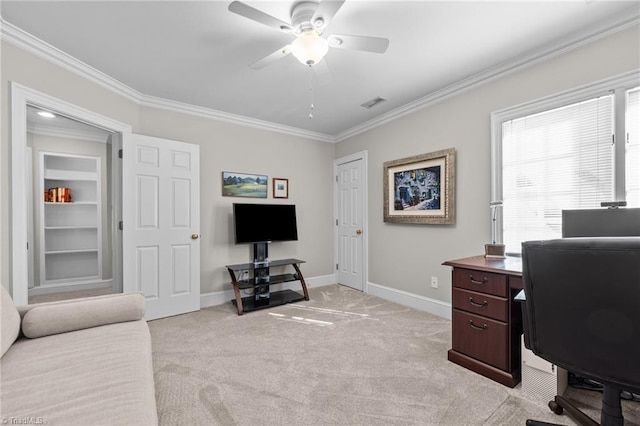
[358, 156]
[20, 97]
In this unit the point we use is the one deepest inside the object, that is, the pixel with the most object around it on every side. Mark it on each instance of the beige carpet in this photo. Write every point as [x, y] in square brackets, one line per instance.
[342, 358]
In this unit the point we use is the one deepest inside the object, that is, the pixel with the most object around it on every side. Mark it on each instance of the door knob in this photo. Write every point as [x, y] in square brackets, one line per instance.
[359, 232]
[195, 236]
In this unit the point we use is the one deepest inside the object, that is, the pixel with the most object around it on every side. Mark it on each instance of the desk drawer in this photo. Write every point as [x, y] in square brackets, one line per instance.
[484, 282]
[481, 338]
[481, 304]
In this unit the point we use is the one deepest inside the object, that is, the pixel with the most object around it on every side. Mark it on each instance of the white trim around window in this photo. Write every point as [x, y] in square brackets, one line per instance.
[617, 85]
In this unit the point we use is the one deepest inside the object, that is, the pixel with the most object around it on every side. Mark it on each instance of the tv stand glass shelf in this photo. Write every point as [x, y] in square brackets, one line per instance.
[258, 279]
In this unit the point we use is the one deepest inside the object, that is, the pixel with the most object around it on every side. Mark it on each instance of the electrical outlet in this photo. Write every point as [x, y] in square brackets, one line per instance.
[434, 282]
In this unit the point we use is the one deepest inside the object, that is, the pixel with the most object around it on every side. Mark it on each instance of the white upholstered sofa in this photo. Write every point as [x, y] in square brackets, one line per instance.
[77, 362]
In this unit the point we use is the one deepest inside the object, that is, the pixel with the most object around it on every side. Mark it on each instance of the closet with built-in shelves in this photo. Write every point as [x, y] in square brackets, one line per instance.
[70, 226]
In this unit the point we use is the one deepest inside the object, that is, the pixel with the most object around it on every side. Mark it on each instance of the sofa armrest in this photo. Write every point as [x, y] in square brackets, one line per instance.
[23, 309]
[45, 319]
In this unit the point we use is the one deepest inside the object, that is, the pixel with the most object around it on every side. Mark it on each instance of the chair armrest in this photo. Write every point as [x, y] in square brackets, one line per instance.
[520, 297]
[45, 319]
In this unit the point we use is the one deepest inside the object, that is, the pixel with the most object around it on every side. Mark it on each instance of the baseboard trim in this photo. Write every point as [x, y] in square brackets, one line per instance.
[66, 287]
[422, 303]
[225, 296]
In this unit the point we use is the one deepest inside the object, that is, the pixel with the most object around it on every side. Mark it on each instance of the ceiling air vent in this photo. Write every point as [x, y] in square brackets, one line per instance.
[373, 102]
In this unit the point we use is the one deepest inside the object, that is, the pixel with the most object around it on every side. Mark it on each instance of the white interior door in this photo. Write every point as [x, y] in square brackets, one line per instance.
[350, 222]
[161, 223]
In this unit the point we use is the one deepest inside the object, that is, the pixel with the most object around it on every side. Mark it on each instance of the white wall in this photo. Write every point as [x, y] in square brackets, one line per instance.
[228, 147]
[223, 147]
[404, 257]
[36, 73]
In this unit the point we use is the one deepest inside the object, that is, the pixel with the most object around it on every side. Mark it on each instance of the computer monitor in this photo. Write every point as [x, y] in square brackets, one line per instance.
[611, 222]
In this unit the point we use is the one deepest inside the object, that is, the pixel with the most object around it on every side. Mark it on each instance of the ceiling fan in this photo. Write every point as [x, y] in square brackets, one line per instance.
[309, 19]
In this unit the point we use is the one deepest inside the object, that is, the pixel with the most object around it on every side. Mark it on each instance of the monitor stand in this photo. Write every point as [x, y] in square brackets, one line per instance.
[261, 254]
[262, 293]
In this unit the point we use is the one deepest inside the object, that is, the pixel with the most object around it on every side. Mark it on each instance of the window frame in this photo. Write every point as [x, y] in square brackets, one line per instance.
[618, 85]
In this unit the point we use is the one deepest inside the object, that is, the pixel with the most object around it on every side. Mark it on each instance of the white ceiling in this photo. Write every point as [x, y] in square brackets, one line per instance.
[197, 52]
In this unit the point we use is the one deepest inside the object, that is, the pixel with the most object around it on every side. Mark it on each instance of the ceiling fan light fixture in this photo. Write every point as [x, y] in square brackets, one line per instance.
[46, 114]
[309, 48]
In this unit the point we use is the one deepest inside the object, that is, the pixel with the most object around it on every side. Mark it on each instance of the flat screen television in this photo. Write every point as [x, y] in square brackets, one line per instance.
[261, 223]
[619, 222]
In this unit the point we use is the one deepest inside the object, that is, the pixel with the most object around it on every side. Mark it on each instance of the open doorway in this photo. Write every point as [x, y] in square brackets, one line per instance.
[70, 194]
[70, 181]
[27, 195]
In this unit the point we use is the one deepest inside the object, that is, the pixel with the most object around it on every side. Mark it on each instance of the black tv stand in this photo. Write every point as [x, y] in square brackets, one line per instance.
[260, 281]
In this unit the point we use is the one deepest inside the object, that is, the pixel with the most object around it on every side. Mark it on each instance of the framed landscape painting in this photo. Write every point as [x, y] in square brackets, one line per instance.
[420, 189]
[244, 185]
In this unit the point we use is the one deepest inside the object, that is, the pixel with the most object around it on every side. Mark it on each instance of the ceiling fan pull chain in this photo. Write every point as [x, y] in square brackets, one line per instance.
[311, 92]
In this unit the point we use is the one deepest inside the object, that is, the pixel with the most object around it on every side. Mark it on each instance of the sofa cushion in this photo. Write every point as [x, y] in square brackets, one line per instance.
[96, 376]
[10, 318]
[51, 319]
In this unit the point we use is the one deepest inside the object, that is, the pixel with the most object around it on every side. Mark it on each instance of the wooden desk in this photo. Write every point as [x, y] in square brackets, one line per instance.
[487, 322]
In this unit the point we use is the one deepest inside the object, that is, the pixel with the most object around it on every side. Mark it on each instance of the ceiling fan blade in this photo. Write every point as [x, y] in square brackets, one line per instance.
[326, 11]
[271, 58]
[254, 14]
[366, 43]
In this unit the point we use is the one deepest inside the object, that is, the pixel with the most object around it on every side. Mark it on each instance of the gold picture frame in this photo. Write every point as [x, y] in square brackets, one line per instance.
[420, 189]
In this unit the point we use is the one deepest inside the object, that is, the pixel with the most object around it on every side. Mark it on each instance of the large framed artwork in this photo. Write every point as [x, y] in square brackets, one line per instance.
[244, 185]
[420, 189]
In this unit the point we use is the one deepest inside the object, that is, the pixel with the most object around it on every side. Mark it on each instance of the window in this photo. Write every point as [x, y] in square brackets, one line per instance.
[560, 153]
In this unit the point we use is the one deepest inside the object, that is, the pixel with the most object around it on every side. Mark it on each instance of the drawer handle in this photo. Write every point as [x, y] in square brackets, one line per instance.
[474, 281]
[479, 305]
[484, 326]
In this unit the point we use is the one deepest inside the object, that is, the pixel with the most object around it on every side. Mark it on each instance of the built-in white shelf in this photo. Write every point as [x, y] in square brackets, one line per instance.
[70, 227]
[71, 251]
[71, 237]
[70, 175]
[75, 203]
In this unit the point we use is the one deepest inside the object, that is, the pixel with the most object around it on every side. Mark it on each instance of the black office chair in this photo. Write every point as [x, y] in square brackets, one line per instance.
[582, 313]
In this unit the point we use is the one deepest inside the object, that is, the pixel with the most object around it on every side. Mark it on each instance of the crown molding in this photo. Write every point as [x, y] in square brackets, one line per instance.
[25, 41]
[179, 107]
[32, 44]
[619, 23]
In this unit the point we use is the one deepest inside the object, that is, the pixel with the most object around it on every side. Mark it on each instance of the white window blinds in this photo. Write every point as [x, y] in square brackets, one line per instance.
[554, 160]
[632, 155]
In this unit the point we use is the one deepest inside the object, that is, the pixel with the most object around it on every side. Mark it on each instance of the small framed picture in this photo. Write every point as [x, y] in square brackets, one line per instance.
[280, 188]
